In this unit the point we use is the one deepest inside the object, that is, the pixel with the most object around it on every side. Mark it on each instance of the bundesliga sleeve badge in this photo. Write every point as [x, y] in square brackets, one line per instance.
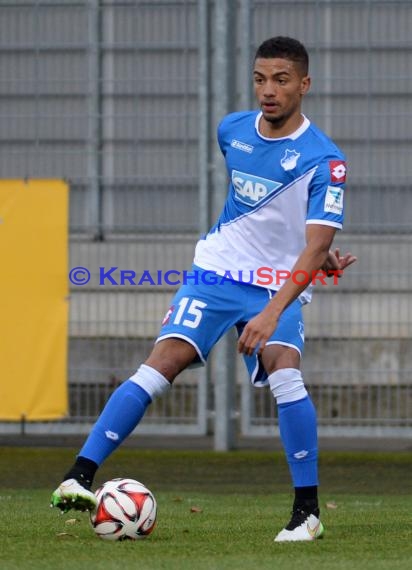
[337, 171]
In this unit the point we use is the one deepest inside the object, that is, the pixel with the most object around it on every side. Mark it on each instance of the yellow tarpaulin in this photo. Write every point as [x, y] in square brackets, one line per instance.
[33, 299]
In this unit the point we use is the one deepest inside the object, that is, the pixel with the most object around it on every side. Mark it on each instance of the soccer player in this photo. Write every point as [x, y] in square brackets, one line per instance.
[251, 271]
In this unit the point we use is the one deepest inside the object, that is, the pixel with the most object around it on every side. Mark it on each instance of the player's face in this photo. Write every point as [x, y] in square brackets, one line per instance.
[279, 88]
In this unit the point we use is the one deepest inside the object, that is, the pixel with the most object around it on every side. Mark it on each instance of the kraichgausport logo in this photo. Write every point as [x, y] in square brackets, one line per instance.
[265, 276]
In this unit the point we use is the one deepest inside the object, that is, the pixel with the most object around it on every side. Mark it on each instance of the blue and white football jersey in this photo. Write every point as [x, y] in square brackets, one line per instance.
[277, 186]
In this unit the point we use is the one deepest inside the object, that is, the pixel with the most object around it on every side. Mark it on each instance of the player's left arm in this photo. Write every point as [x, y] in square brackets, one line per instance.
[319, 238]
[326, 203]
[324, 217]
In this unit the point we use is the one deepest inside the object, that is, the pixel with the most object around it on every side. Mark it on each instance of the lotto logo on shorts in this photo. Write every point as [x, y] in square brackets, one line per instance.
[337, 170]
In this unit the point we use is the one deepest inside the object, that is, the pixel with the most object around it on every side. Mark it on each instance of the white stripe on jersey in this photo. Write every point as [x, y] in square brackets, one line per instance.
[241, 245]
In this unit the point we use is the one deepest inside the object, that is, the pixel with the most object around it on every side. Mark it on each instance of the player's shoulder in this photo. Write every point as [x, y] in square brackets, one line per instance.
[323, 145]
[238, 118]
[235, 125]
[325, 154]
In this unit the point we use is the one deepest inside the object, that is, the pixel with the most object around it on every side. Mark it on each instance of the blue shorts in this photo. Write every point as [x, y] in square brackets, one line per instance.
[202, 311]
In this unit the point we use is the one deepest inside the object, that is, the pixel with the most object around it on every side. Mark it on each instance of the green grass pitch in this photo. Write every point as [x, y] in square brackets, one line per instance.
[215, 511]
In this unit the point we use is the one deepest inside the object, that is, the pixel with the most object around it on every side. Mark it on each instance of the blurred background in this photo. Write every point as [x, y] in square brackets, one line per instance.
[121, 99]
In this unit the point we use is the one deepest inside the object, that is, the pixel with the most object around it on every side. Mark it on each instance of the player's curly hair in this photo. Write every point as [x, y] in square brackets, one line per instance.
[285, 48]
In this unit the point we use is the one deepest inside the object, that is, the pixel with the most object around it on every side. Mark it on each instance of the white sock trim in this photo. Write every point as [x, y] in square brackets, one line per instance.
[287, 385]
[152, 382]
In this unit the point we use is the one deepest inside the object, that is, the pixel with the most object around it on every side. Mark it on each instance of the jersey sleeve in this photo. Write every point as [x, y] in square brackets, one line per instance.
[326, 192]
[222, 134]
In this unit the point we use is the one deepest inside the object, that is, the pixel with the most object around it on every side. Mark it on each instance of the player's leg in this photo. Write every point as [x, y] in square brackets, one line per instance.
[199, 315]
[129, 402]
[121, 414]
[298, 432]
[280, 368]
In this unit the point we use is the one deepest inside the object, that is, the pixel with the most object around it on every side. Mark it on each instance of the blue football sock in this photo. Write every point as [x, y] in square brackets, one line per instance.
[123, 411]
[298, 431]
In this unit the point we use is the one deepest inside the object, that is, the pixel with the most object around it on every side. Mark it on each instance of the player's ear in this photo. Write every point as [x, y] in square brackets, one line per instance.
[305, 85]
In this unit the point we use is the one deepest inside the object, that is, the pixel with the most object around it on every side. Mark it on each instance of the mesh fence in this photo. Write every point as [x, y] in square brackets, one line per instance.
[106, 95]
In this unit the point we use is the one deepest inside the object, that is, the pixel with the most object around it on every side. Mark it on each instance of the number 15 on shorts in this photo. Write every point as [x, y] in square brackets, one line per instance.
[189, 313]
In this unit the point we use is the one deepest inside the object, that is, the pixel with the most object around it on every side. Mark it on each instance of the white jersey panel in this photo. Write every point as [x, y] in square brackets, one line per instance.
[257, 239]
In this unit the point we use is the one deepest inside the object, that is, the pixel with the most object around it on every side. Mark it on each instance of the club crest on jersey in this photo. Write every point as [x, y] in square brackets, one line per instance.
[337, 171]
[251, 189]
[334, 200]
[290, 159]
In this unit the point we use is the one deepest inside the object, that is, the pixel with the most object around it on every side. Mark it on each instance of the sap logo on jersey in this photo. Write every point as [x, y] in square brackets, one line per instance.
[251, 189]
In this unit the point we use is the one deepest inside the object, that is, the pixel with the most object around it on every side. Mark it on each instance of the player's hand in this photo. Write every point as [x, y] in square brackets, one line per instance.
[256, 333]
[336, 263]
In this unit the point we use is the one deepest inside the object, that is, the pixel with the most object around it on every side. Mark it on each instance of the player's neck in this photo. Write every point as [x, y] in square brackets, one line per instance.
[274, 130]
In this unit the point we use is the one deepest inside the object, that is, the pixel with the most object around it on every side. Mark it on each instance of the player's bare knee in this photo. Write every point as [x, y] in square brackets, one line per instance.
[277, 357]
[167, 368]
[170, 357]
